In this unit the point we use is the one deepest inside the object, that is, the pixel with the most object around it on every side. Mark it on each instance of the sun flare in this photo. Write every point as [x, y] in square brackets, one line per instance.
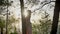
[25, 13]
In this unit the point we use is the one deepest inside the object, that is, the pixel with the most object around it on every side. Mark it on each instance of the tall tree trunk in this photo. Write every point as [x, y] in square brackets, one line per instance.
[7, 19]
[23, 18]
[26, 25]
[55, 17]
[1, 30]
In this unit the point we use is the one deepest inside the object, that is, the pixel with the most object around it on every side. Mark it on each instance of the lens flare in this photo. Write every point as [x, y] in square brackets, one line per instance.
[25, 13]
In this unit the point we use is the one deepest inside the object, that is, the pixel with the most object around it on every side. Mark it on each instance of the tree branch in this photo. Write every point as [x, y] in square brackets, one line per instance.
[43, 5]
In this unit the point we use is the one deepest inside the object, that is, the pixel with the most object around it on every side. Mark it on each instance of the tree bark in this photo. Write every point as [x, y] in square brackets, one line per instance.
[55, 17]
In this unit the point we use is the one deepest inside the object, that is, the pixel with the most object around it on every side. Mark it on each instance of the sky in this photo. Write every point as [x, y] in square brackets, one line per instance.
[16, 8]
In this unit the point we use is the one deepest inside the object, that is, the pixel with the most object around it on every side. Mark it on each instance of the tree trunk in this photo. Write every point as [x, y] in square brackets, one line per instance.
[23, 18]
[1, 30]
[7, 21]
[26, 25]
[55, 17]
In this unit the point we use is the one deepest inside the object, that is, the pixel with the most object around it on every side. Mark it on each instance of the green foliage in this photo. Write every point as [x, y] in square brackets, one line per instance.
[35, 28]
[12, 19]
[14, 31]
[2, 22]
[5, 2]
[44, 26]
[1, 2]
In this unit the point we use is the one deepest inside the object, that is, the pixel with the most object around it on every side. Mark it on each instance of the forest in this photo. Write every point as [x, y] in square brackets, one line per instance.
[29, 17]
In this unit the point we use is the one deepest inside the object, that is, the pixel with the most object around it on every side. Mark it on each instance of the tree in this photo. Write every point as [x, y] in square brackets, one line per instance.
[2, 24]
[2, 2]
[44, 25]
[40, 3]
[26, 25]
[5, 3]
[11, 20]
[23, 18]
[55, 17]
